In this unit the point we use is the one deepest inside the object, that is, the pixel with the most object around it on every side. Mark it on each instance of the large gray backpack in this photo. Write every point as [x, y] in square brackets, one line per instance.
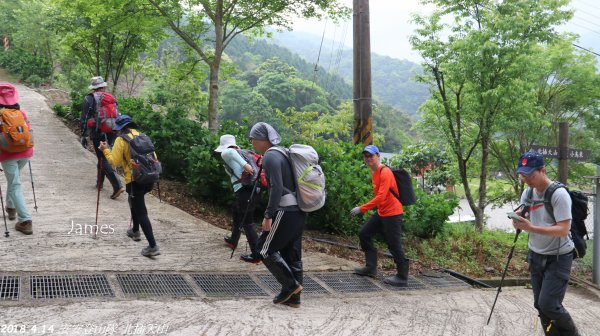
[308, 176]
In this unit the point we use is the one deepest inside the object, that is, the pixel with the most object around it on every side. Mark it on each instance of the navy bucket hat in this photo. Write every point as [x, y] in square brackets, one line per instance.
[123, 121]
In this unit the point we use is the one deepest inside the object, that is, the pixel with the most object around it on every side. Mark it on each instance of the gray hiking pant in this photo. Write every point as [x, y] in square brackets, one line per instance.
[549, 280]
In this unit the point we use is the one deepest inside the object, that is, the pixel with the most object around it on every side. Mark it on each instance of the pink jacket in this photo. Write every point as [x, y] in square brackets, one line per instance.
[4, 156]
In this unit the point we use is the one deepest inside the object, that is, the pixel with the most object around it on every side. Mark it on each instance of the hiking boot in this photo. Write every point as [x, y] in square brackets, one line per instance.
[24, 227]
[285, 295]
[135, 235]
[401, 277]
[250, 258]
[116, 193]
[12, 213]
[229, 242]
[150, 251]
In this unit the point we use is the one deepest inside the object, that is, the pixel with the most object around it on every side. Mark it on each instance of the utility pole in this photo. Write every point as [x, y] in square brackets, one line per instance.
[363, 121]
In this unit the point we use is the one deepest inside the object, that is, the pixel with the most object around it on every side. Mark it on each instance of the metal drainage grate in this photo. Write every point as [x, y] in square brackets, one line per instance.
[413, 284]
[347, 282]
[154, 285]
[228, 285]
[442, 280]
[9, 288]
[69, 286]
[309, 284]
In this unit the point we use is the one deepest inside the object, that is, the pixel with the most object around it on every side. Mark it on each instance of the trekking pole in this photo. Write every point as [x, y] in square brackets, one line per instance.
[94, 230]
[512, 249]
[238, 226]
[6, 234]
[158, 186]
[32, 186]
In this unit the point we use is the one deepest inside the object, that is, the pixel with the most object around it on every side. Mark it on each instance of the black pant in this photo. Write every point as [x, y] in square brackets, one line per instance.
[549, 280]
[243, 216]
[139, 213]
[391, 228]
[106, 170]
[285, 236]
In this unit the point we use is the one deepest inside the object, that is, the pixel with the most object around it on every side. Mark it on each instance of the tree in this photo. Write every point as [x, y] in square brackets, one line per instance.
[477, 72]
[208, 26]
[239, 101]
[106, 35]
[566, 87]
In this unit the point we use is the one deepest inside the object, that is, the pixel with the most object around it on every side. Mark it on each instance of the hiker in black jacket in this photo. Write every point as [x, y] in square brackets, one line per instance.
[280, 243]
[91, 125]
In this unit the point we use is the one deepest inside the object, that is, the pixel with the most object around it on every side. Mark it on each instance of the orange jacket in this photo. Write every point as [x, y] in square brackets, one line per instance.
[387, 204]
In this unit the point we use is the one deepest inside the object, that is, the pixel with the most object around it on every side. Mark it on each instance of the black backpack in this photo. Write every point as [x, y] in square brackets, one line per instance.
[579, 212]
[145, 166]
[405, 187]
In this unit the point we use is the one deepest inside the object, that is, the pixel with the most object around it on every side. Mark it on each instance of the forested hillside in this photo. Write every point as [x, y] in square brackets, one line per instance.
[273, 77]
[392, 78]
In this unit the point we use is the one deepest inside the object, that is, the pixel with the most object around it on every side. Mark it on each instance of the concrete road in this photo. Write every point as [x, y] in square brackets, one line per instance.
[64, 175]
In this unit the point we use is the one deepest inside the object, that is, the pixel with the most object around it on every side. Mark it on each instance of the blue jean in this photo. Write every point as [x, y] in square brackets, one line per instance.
[549, 281]
[14, 192]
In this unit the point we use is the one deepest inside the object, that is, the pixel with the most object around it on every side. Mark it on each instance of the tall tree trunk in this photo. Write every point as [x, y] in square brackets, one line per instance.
[213, 97]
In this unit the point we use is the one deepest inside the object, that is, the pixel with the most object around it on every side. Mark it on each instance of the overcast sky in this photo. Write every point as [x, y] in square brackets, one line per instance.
[391, 26]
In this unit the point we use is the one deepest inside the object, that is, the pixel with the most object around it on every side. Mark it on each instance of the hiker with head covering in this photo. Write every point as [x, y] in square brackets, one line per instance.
[246, 197]
[551, 247]
[280, 243]
[387, 220]
[98, 115]
[121, 156]
[15, 151]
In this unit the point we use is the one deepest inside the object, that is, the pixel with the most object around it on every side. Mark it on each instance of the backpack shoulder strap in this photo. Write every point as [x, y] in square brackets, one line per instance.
[391, 191]
[548, 197]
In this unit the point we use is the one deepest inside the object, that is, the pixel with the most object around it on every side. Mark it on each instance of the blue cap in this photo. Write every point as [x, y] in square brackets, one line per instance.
[530, 162]
[371, 149]
[122, 121]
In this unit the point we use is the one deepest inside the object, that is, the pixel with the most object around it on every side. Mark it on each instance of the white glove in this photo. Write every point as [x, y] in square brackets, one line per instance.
[355, 211]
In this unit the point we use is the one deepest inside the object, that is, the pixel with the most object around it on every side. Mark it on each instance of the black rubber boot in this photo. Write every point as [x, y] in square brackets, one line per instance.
[548, 326]
[296, 268]
[566, 326]
[370, 268]
[280, 270]
[401, 278]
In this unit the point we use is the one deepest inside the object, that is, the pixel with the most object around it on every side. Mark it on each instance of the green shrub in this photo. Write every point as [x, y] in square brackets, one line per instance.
[30, 68]
[426, 218]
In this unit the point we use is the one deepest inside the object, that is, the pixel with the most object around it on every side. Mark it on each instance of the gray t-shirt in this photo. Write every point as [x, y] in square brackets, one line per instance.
[545, 244]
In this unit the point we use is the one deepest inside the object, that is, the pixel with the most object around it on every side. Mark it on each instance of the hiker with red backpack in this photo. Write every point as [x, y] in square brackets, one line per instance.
[387, 220]
[134, 152]
[98, 115]
[238, 165]
[16, 149]
[280, 243]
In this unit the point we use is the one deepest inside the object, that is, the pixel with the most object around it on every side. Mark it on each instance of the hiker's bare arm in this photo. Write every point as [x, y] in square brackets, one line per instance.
[560, 229]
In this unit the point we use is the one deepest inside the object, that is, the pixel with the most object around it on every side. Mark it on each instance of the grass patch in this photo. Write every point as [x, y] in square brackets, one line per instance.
[462, 248]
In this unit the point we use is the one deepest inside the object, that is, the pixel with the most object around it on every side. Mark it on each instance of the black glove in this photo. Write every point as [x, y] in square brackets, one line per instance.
[83, 141]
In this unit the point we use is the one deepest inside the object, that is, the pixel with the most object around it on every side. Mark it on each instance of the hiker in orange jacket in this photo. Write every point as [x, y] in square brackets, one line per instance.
[387, 220]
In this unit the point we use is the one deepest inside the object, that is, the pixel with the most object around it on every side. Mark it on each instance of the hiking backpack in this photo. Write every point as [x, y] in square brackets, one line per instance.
[145, 167]
[405, 187]
[579, 212]
[105, 112]
[308, 176]
[254, 160]
[16, 136]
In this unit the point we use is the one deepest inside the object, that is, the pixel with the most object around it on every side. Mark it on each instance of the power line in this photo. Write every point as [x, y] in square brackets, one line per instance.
[582, 48]
[584, 27]
[585, 20]
[588, 4]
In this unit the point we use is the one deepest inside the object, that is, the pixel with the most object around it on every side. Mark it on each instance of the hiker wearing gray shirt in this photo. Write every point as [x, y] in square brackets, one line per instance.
[280, 243]
[550, 246]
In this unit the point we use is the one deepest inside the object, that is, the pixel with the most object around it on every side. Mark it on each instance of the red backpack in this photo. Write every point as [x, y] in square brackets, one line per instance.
[106, 112]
